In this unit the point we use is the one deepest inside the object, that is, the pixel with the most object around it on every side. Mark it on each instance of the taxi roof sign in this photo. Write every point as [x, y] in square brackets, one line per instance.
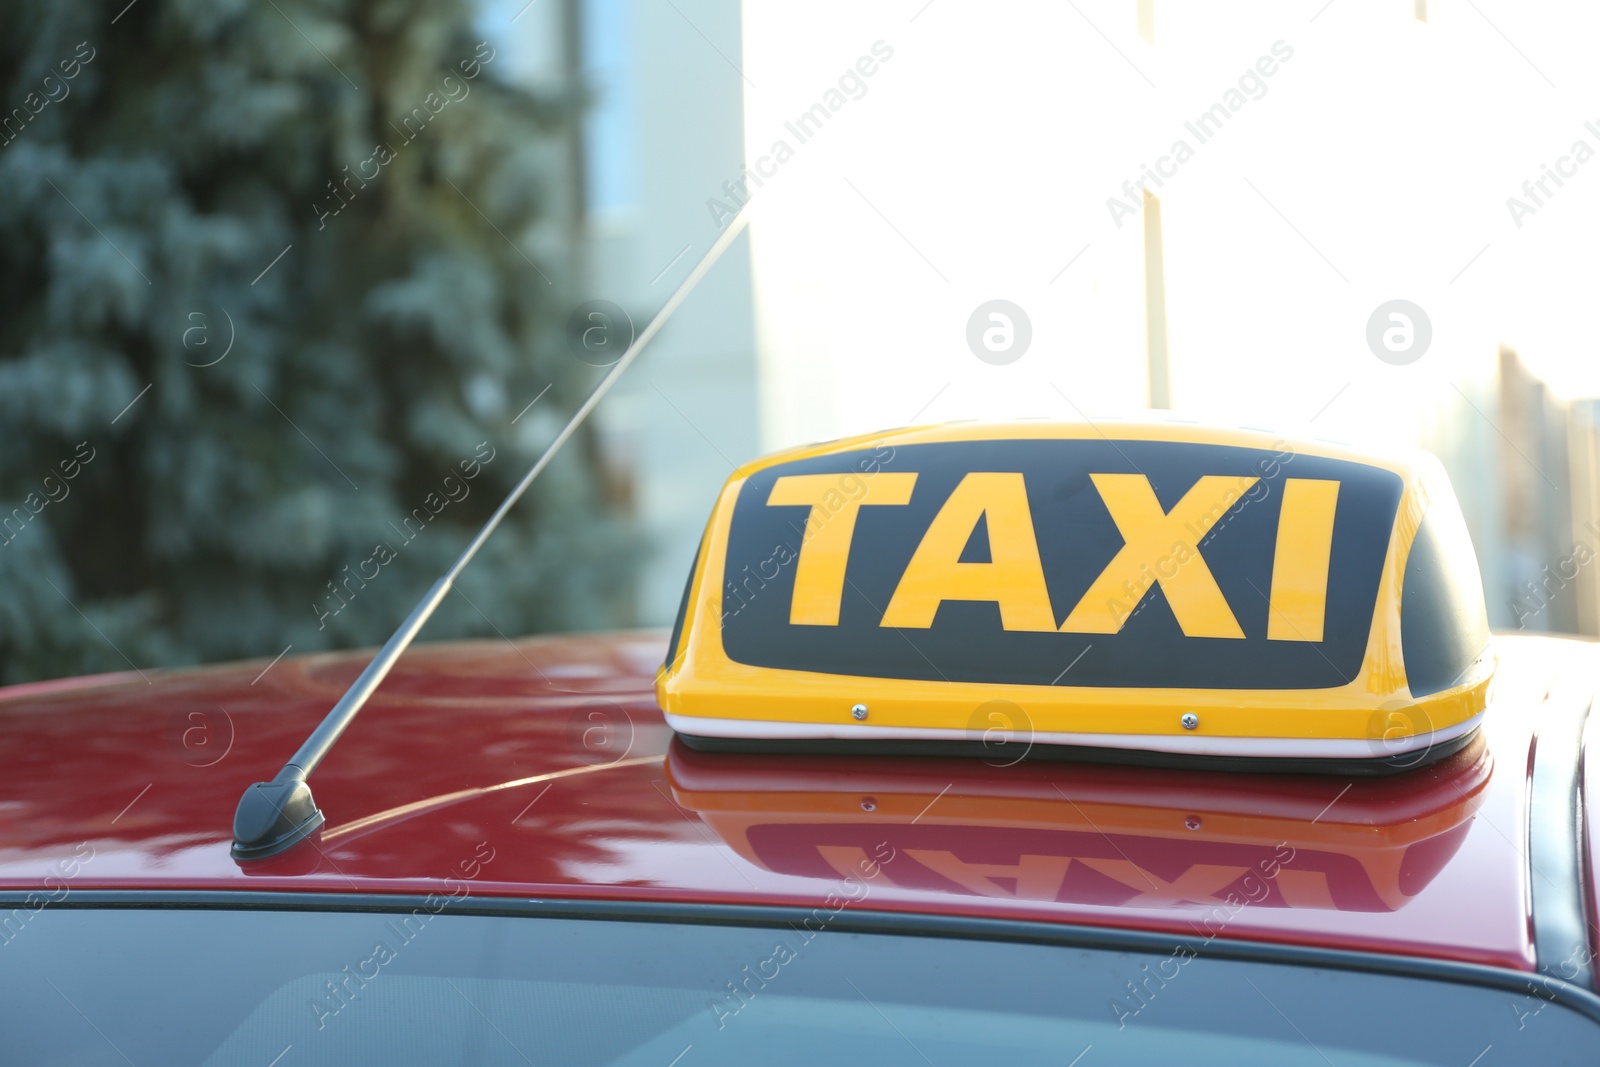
[1168, 590]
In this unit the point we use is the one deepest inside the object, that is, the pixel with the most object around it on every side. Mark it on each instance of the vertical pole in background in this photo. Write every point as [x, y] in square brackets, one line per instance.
[1155, 306]
[1421, 10]
[1147, 19]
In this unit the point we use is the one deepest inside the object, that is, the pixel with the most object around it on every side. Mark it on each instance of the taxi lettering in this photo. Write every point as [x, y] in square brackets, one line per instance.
[1041, 877]
[1160, 547]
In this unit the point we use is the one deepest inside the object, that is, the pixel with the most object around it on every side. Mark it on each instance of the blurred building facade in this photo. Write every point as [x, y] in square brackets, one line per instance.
[1583, 442]
[662, 134]
[1525, 463]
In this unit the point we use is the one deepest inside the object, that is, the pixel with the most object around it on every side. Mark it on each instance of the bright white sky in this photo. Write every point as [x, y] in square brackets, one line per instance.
[996, 133]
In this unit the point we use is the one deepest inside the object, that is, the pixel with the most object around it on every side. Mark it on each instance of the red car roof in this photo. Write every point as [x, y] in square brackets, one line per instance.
[550, 757]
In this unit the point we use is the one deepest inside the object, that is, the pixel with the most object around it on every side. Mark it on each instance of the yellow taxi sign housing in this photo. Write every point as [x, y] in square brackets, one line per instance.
[1161, 590]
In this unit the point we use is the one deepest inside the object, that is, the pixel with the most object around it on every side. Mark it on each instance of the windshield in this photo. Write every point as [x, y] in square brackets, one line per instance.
[358, 987]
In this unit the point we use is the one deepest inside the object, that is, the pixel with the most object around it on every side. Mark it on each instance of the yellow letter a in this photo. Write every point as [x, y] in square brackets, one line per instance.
[1014, 578]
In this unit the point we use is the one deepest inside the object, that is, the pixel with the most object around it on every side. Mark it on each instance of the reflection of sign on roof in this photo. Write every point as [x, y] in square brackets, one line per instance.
[1112, 836]
[882, 589]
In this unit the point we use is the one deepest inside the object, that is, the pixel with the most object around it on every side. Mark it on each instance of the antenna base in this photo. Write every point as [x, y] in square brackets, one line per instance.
[275, 816]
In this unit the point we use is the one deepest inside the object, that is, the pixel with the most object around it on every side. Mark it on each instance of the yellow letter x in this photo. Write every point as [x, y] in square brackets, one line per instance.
[1160, 547]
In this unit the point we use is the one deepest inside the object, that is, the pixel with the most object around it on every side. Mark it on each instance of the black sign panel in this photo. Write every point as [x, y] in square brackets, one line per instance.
[1077, 537]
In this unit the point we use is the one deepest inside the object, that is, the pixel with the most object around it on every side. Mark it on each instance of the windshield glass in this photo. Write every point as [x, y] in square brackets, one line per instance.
[341, 988]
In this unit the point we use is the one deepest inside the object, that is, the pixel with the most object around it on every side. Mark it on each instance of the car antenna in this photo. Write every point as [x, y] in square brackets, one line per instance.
[274, 816]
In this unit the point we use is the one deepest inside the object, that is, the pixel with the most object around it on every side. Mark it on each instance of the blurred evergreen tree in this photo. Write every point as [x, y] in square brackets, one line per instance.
[201, 174]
